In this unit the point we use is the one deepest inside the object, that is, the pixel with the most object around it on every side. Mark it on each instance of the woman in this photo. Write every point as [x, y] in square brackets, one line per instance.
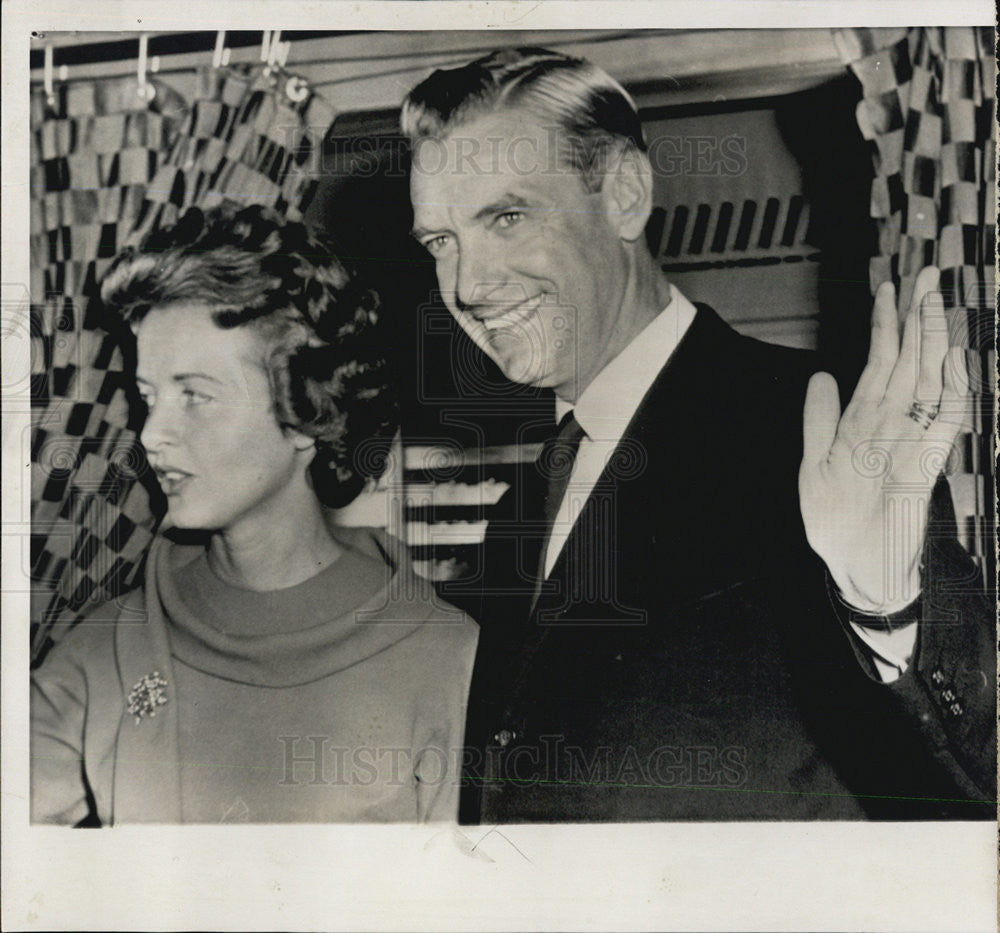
[284, 670]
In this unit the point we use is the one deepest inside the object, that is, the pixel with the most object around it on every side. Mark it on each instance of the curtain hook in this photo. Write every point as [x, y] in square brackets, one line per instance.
[146, 90]
[265, 46]
[50, 90]
[296, 89]
[273, 52]
[220, 48]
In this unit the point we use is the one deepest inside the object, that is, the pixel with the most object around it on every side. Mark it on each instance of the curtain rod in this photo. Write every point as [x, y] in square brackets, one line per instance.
[185, 52]
[126, 50]
[123, 50]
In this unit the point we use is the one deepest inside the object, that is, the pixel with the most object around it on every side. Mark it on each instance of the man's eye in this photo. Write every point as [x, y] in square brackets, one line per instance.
[509, 218]
[147, 400]
[436, 244]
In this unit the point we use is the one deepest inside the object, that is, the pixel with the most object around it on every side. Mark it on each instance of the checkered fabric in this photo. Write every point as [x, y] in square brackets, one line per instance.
[929, 108]
[95, 147]
[107, 168]
[244, 140]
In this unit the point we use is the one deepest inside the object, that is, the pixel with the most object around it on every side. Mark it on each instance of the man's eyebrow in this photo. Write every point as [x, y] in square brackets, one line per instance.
[504, 202]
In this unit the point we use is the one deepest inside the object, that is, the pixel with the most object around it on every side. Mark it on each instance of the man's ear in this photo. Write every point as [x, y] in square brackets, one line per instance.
[628, 193]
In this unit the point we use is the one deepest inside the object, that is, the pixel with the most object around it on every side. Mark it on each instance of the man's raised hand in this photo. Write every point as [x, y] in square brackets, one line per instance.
[867, 475]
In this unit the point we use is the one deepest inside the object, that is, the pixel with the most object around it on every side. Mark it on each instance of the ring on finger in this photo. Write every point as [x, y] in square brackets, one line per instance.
[923, 414]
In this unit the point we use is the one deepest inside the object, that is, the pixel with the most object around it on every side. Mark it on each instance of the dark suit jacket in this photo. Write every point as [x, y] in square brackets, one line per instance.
[687, 659]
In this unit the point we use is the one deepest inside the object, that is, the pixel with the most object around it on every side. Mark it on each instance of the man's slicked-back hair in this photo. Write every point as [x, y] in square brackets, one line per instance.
[595, 115]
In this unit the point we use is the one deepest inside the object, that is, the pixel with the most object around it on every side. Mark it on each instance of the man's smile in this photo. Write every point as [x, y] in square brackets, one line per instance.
[511, 317]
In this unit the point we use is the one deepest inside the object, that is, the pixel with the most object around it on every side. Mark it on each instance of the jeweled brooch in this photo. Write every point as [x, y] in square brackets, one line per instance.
[147, 695]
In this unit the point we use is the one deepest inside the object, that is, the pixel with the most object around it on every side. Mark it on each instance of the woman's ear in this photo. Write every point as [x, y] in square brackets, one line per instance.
[302, 441]
[628, 193]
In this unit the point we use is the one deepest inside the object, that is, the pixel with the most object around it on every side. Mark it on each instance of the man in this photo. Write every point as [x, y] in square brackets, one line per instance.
[659, 639]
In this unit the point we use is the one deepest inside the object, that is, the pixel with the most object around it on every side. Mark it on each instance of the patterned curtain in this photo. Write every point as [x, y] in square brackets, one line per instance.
[95, 149]
[929, 108]
[108, 165]
[245, 140]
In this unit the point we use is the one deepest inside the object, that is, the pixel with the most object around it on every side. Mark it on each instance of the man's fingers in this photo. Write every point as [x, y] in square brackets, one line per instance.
[928, 280]
[902, 386]
[820, 418]
[954, 398]
[933, 348]
[956, 372]
[884, 347]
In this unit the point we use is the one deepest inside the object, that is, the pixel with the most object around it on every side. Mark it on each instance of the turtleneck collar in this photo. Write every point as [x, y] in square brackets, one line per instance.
[358, 606]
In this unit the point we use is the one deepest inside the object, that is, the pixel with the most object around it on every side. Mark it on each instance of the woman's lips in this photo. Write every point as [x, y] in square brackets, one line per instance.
[172, 481]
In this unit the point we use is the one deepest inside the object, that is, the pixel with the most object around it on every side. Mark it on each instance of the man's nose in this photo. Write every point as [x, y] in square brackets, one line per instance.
[471, 278]
[482, 280]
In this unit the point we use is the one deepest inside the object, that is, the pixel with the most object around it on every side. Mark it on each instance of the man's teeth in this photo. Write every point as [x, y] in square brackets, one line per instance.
[514, 316]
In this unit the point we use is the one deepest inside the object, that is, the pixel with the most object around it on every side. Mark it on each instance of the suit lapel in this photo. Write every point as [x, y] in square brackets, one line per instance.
[652, 467]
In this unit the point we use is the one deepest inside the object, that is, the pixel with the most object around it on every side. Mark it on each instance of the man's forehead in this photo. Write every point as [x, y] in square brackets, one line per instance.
[505, 142]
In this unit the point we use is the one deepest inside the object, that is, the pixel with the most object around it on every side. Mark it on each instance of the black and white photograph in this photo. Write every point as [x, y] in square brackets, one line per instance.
[508, 438]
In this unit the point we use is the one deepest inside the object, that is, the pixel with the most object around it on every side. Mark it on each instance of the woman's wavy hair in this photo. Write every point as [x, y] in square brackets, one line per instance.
[326, 353]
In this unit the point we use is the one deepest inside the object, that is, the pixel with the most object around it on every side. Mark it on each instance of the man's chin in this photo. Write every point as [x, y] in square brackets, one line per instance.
[519, 368]
[526, 377]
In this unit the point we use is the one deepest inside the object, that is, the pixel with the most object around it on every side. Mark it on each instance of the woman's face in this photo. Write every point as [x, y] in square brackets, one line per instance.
[211, 435]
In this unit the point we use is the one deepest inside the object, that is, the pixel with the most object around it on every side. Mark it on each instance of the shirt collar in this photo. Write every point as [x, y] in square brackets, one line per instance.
[607, 405]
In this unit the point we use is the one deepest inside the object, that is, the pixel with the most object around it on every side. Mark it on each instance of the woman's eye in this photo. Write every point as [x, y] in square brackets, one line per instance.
[191, 397]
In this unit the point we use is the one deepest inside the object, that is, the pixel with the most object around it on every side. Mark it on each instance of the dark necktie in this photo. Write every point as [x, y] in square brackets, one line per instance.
[556, 464]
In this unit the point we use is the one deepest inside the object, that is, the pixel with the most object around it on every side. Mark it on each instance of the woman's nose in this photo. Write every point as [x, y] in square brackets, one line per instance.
[157, 430]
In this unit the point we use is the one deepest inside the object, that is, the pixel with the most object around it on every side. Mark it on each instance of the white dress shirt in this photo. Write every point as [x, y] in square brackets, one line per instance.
[604, 410]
